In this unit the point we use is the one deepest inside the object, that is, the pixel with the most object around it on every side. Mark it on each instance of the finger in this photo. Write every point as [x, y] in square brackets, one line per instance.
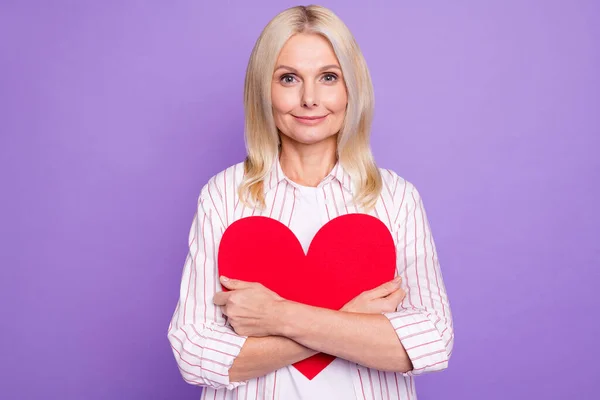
[395, 298]
[224, 310]
[233, 284]
[220, 298]
[385, 289]
[398, 293]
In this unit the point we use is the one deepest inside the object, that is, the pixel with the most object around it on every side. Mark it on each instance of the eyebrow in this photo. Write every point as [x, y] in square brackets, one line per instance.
[326, 67]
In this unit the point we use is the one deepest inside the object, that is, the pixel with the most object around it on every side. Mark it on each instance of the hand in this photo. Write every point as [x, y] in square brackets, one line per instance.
[250, 307]
[382, 299]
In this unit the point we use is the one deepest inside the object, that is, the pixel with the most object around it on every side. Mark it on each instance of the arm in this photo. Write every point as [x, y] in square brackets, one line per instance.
[366, 339]
[284, 351]
[204, 345]
[261, 355]
[423, 321]
[358, 333]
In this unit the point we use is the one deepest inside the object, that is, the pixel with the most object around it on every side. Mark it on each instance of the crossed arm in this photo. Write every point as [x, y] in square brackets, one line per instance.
[281, 332]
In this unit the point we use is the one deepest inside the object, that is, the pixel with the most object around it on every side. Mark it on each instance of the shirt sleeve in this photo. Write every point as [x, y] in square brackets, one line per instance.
[423, 321]
[203, 344]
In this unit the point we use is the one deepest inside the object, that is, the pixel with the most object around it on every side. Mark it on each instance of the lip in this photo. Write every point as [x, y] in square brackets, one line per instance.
[310, 120]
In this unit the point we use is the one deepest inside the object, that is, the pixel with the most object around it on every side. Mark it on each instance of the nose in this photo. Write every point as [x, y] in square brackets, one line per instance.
[309, 95]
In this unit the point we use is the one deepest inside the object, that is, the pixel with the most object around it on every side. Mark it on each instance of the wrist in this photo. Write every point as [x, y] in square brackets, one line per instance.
[281, 317]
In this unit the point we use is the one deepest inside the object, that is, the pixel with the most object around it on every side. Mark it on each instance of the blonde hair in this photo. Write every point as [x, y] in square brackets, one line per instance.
[261, 134]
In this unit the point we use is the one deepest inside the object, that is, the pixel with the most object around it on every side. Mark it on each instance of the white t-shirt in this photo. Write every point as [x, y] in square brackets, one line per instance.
[335, 381]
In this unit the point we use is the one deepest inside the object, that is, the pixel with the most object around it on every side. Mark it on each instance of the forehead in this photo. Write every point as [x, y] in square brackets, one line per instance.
[307, 51]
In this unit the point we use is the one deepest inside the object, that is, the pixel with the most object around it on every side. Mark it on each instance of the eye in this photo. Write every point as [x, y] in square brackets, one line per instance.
[287, 79]
[330, 77]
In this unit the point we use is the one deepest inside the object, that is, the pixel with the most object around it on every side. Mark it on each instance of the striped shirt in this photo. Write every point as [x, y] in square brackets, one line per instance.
[205, 346]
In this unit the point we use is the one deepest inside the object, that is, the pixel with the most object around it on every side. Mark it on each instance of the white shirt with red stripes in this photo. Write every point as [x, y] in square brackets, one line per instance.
[205, 346]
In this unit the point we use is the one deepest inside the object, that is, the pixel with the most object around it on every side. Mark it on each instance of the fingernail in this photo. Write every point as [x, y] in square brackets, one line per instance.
[397, 279]
[224, 278]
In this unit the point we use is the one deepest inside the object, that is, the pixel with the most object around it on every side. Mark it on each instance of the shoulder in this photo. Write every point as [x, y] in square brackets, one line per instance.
[221, 188]
[224, 180]
[396, 186]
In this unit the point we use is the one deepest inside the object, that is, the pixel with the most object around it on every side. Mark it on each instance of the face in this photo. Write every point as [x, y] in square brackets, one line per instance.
[308, 90]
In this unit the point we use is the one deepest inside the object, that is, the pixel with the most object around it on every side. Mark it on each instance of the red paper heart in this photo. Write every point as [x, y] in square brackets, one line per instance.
[348, 255]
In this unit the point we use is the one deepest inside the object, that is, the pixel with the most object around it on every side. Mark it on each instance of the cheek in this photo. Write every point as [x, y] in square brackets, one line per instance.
[283, 101]
[336, 100]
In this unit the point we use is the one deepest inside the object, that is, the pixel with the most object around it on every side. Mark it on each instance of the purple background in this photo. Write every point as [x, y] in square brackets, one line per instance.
[115, 113]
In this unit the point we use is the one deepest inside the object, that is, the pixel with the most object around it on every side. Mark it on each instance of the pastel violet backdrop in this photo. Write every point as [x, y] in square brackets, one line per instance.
[113, 114]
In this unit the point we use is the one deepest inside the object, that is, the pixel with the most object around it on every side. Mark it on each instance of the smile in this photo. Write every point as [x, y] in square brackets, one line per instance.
[310, 120]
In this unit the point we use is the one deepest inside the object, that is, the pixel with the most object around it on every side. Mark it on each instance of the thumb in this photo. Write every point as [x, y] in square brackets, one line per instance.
[385, 289]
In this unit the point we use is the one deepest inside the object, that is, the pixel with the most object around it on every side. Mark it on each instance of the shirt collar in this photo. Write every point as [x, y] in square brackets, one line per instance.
[338, 173]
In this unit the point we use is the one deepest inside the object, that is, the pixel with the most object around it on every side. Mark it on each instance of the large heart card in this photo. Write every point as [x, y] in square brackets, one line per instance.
[348, 255]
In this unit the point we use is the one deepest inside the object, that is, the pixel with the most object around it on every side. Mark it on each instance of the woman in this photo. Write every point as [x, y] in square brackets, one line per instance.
[309, 105]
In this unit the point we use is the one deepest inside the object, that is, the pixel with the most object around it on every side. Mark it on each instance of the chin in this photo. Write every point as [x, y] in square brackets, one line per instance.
[309, 135]
[309, 139]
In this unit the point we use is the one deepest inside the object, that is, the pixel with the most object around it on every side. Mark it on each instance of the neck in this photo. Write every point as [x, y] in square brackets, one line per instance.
[307, 165]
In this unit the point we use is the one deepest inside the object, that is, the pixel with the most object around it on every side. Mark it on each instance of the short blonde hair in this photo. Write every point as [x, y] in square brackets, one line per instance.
[261, 134]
